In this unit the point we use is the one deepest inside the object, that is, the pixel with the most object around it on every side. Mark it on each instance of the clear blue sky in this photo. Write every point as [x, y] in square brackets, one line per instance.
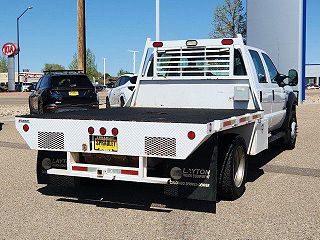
[48, 31]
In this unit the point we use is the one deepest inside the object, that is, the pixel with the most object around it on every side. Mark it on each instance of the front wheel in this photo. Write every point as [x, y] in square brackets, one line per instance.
[122, 102]
[108, 102]
[40, 108]
[291, 132]
[233, 170]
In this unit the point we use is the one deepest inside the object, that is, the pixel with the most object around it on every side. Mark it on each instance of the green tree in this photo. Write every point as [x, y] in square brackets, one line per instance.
[92, 71]
[52, 66]
[122, 72]
[3, 64]
[229, 19]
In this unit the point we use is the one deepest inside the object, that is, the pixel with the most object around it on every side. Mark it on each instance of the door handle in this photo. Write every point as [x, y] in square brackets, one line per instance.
[260, 96]
[272, 95]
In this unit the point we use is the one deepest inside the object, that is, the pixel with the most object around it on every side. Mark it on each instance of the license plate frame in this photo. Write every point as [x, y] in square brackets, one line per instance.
[73, 93]
[104, 143]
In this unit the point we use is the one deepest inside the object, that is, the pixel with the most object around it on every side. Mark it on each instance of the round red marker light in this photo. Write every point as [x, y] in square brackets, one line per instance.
[115, 131]
[91, 130]
[103, 131]
[25, 128]
[191, 135]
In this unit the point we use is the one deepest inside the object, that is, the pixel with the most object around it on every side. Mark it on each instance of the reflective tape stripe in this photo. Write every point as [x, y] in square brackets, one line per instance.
[79, 168]
[256, 116]
[227, 123]
[129, 172]
[244, 119]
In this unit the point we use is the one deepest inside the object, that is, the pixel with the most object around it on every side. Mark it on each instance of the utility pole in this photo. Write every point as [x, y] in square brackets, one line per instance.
[157, 20]
[82, 36]
[104, 71]
[134, 60]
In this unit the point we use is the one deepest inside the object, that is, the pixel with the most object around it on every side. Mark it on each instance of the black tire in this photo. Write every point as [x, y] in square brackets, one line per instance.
[43, 164]
[122, 102]
[108, 102]
[30, 107]
[233, 161]
[290, 138]
[40, 108]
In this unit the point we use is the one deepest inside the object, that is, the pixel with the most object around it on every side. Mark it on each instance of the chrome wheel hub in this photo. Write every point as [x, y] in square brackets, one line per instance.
[293, 130]
[239, 166]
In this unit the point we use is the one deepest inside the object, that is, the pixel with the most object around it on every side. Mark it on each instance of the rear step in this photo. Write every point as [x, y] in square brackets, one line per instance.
[107, 172]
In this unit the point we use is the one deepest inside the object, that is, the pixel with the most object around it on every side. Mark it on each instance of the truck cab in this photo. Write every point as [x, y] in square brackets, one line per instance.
[204, 77]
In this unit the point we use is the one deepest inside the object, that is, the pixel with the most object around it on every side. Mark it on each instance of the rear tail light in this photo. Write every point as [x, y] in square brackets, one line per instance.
[51, 107]
[157, 44]
[25, 127]
[227, 41]
[103, 131]
[114, 131]
[90, 130]
[95, 105]
[191, 135]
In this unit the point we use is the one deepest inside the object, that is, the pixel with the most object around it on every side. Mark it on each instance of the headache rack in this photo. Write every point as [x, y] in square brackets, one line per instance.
[210, 58]
[186, 59]
[194, 61]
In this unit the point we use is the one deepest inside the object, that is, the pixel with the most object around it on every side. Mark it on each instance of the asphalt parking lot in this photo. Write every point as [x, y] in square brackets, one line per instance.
[281, 200]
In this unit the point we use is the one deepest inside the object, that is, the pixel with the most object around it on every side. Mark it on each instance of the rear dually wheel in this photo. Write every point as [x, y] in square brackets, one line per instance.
[233, 168]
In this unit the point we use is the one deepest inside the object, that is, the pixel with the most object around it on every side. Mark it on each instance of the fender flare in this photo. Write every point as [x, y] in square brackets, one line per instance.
[291, 103]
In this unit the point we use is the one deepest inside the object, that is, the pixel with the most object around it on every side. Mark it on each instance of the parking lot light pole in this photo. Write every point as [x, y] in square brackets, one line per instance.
[157, 20]
[134, 60]
[104, 71]
[18, 43]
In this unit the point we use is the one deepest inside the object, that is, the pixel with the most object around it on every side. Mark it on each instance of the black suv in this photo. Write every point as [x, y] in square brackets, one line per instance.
[62, 91]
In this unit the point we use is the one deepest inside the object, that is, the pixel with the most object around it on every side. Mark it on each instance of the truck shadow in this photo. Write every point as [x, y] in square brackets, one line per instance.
[256, 163]
[116, 195]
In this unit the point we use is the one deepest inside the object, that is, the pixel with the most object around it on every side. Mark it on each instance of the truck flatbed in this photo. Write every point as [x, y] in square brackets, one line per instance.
[137, 114]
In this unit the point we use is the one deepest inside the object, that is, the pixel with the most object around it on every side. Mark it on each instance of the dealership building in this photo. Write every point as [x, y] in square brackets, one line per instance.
[30, 77]
[313, 74]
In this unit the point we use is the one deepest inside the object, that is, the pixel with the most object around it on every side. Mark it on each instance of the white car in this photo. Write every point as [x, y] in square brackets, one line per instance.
[312, 86]
[25, 87]
[122, 91]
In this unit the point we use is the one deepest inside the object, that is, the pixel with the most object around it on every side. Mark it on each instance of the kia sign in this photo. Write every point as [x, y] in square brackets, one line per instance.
[9, 49]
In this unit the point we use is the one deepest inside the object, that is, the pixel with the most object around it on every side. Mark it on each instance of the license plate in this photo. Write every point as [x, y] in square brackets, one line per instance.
[73, 93]
[105, 143]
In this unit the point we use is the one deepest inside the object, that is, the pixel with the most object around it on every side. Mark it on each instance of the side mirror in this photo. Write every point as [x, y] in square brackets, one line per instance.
[133, 80]
[262, 78]
[110, 85]
[293, 77]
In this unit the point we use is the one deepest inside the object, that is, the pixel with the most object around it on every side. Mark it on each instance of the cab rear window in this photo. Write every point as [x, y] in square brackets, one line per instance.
[75, 81]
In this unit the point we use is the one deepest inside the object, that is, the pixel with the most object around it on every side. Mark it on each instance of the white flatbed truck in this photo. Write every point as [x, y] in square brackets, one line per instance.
[199, 109]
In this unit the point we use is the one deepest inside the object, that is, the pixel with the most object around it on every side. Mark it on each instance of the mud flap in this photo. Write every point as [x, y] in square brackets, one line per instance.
[47, 160]
[195, 177]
